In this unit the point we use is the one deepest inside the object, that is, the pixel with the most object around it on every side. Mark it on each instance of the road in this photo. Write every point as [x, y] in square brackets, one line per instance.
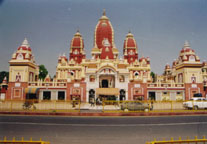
[102, 130]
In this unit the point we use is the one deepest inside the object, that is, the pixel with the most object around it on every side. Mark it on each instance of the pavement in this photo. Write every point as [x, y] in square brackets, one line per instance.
[100, 113]
[102, 130]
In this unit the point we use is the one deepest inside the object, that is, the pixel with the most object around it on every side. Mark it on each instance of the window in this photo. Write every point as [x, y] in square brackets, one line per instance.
[193, 79]
[47, 95]
[164, 93]
[121, 78]
[192, 58]
[180, 78]
[131, 52]
[178, 93]
[136, 74]
[61, 95]
[92, 78]
[17, 93]
[76, 52]
[20, 56]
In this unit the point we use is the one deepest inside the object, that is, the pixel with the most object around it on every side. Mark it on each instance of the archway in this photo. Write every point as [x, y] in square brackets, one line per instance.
[91, 95]
[122, 95]
[105, 83]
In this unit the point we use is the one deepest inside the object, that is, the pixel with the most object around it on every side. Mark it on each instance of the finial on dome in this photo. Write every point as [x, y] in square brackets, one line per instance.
[25, 43]
[186, 45]
[104, 12]
[77, 33]
[104, 17]
[130, 34]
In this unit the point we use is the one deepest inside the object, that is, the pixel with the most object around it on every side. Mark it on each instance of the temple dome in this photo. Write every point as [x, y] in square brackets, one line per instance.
[103, 31]
[130, 42]
[77, 41]
[25, 45]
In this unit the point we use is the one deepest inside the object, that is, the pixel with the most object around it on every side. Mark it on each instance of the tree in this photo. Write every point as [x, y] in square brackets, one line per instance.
[4, 74]
[42, 72]
[153, 76]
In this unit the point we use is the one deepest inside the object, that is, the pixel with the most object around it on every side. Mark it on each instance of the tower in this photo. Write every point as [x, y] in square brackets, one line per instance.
[22, 70]
[130, 48]
[77, 52]
[188, 70]
[104, 47]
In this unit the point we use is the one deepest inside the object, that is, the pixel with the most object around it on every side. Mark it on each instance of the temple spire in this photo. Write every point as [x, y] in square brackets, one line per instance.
[186, 45]
[104, 12]
[25, 43]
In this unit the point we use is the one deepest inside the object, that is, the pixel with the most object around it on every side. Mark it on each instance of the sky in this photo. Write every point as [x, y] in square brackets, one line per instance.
[160, 27]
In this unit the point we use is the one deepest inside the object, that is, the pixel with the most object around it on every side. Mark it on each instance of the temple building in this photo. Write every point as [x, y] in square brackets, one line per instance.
[105, 74]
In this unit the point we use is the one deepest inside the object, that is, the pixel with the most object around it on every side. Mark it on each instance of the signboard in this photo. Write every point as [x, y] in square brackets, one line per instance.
[137, 85]
[194, 85]
[76, 85]
[17, 84]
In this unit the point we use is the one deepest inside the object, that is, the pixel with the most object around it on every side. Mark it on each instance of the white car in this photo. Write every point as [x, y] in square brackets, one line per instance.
[196, 103]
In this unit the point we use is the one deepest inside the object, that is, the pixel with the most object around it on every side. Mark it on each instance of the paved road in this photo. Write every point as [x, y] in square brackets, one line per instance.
[102, 130]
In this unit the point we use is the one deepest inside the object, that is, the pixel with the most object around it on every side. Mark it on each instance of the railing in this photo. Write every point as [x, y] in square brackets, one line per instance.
[42, 106]
[165, 85]
[180, 141]
[102, 106]
[47, 84]
[22, 141]
[149, 106]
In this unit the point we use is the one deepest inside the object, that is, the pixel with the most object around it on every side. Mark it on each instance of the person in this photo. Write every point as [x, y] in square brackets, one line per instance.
[151, 108]
[97, 100]
[92, 101]
[73, 99]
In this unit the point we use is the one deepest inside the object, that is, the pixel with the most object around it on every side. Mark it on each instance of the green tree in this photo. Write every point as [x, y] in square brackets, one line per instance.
[42, 72]
[153, 76]
[3, 74]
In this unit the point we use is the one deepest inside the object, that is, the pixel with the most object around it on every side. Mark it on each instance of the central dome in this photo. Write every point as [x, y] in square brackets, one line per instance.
[103, 31]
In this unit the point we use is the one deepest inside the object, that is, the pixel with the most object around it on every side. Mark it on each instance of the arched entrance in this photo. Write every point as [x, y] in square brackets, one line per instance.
[91, 95]
[105, 83]
[122, 95]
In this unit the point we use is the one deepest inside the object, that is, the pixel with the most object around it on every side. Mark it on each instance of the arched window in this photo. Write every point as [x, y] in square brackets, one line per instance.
[91, 96]
[122, 94]
[20, 56]
[193, 79]
[121, 78]
[92, 78]
[192, 58]
[136, 74]
[180, 78]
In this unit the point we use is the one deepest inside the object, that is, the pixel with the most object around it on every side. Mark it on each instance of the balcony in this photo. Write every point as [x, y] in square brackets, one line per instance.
[40, 84]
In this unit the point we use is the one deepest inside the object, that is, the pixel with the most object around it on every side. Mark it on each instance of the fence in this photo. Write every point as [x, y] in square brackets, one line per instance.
[22, 141]
[180, 141]
[103, 106]
[31, 105]
[149, 106]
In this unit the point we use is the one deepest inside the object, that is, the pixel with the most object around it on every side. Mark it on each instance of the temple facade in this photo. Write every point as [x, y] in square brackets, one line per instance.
[105, 75]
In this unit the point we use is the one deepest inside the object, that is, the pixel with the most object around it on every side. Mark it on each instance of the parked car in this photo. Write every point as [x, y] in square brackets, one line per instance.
[135, 106]
[196, 103]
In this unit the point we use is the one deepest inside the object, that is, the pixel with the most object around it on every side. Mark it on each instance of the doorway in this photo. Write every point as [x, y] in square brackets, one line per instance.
[105, 83]
[152, 96]
[122, 95]
[91, 95]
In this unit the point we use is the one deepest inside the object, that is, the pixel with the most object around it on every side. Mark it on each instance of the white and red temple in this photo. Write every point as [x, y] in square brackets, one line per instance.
[105, 75]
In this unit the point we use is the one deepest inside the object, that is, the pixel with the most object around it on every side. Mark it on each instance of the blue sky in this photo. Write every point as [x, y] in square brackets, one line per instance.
[160, 27]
